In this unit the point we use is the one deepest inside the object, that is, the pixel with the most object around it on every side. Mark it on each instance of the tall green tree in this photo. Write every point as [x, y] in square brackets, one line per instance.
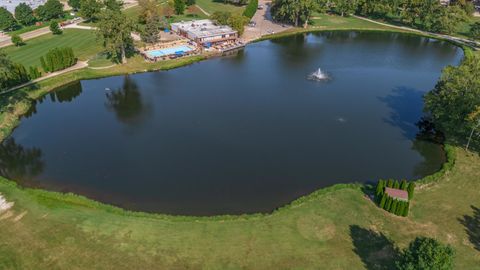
[24, 14]
[426, 254]
[75, 4]
[52, 9]
[455, 97]
[114, 5]
[55, 28]
[474, 118]
[7, 21]
[475, 30]
[238, 22]
[179, 6]
[90, 9]
[345, 7]
[153, 25]
[114, 29]
[296, 12]
[17, 40]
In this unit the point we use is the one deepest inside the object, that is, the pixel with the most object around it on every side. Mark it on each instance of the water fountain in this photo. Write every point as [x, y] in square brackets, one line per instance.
[319, 76]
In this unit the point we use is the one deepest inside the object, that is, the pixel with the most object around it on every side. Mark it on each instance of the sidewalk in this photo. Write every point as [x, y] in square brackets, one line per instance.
[79, 65]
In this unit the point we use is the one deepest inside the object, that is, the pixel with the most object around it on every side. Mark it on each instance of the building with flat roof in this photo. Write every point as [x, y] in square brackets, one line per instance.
[10, 5]
[398, 194]
[204, 32]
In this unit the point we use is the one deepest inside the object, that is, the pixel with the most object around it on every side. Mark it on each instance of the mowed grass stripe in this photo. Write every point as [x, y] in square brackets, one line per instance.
[83, 42]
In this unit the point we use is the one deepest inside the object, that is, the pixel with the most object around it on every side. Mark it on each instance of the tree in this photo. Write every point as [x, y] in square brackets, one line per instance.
[24, 14]
[55, 28]
[455, 97]
[114, 29]
[448, 19]
[388, 204]
[404, 185]
[396, 184]
[114, 5]
[221, 17]
[475, 30]
[17, 40]
[190, 2]
[151, 32]
[7, 21]
[383, 201]
[90, 9]
[426, 254]
[11, 73]
[345, 7]
[52, 9]
[75, 4]
[293, 11]
[411, 190]
[238, 22]
[390, 183]
[148, 9]
[474, 117]
[380, 188]
[179, 6]
[393, 208]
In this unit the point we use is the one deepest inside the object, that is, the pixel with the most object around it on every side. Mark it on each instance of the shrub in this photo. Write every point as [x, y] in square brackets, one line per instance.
[383, 201]
[34, 73]
[251, 9]
[55, 28]
[390, 183]
[17, 40]
[427, 254]
[404, 185]
[396, 184]
[411, 189]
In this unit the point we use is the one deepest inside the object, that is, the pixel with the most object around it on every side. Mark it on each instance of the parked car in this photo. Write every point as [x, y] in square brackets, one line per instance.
[252, 24]
[260, 6]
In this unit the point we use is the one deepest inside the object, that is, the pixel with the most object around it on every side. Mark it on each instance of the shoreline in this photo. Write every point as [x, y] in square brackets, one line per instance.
[51, 84]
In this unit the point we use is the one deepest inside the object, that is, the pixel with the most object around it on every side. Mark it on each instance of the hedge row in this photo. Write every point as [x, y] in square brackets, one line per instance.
[251, 9]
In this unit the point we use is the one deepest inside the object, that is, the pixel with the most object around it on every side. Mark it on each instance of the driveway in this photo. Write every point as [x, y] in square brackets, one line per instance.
[264, 23]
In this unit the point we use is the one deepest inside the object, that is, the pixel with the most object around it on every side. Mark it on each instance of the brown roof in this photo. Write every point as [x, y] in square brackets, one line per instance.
[397, 193]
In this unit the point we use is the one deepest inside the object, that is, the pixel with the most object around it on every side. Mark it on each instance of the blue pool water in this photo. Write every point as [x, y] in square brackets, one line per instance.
[168, 51]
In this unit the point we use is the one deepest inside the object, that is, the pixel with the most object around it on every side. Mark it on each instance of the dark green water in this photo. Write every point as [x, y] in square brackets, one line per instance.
[239, 134]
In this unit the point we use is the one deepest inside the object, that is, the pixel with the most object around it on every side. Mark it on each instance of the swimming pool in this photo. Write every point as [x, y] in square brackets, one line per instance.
[169, 51]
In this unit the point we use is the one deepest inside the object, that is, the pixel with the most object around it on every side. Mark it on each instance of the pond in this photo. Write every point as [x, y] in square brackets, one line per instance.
[238, 134]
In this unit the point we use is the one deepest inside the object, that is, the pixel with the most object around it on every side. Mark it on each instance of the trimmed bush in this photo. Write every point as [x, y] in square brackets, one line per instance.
[383, 201]
[411, 189]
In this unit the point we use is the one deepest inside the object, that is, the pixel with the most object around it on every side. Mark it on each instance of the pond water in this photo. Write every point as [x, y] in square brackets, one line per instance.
[239, 134]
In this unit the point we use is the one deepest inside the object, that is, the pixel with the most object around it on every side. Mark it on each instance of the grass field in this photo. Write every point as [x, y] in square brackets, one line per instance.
[211, 6]
[337, 22]
[336, 228]
[83, 42]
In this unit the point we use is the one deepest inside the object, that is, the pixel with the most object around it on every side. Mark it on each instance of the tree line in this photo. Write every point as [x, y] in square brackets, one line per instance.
[13, 74]
[390, 204]
[453, 106]
[57, 59]
[24, 15]
[428, 15]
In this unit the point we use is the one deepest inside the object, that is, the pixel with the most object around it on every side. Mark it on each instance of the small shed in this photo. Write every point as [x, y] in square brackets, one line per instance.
[398, 194]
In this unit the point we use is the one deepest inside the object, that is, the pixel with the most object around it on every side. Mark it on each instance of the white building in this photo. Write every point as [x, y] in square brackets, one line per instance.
[10, 5]
[204, 32]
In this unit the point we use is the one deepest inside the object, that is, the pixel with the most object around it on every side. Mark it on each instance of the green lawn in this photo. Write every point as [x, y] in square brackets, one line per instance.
[83, 42]
[337, 22]
[211, 6]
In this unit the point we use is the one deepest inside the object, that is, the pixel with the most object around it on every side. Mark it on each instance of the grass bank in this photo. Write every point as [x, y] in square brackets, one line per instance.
[333, 228]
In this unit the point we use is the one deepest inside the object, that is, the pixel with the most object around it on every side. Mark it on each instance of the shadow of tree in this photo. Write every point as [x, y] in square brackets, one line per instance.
[472, 227]
[376, 251]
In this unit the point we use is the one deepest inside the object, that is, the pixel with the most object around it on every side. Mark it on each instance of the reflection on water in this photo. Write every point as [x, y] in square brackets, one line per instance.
[126, 102]
[243, 133]
[18, 162]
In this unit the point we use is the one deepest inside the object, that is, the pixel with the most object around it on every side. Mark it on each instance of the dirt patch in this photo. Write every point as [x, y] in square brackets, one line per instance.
[4, 204]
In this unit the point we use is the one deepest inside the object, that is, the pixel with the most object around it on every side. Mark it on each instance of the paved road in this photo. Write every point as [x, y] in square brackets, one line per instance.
[5, 41]
[264, 23]
[468, 42]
